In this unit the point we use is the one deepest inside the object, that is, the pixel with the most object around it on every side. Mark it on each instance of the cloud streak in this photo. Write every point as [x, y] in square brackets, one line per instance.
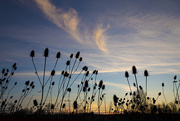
[69, 22]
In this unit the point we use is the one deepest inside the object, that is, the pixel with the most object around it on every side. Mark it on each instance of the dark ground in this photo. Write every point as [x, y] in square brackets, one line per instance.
[92, 117]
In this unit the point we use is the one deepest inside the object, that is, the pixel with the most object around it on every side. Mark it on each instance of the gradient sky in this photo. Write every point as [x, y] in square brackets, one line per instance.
[112, 36]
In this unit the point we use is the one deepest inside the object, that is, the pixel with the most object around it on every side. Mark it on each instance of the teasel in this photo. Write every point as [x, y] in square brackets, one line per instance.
[134, 71]
[46, 52]
[127, 76]
[163, 93]
[32, 54]
[77, 55]
[146, 74]
[58, 55]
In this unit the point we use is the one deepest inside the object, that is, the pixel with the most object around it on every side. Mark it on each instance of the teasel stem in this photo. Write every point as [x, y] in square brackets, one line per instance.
[36, 71]
[129, 85]
[163, 93]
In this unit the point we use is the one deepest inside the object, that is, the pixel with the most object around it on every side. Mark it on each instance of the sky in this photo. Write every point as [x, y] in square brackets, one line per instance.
[112, 36]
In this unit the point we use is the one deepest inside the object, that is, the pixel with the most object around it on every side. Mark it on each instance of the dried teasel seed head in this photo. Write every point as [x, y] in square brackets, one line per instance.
[14, 65]
[103, 87]
[86, 83]
[134, 70]
[69, 89]
[115, 99]
[64, 105]
[15, 83]
[3, 70]
[52, 72]
[67, 63]
[35, 102]
[27, 82]
[75, 105]
[175, 77]
[71, 56]
[159, 93]
[80, 59]
[85, 68]
[140, 87]
[53, 83]
[58, 55]
[77, 54]
[46, 52]
[100, 84]
[126, 74]
[146, 73]
[62, 73]
[94, 72]
[162, 84]
[32, 54]
[31, 84]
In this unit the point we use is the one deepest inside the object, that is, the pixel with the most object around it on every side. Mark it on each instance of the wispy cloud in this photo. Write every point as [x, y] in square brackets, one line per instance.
[121, 86]
[69, 21]
[100, 37]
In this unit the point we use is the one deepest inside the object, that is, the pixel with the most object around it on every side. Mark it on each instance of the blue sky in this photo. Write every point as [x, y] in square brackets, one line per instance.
[112, 36]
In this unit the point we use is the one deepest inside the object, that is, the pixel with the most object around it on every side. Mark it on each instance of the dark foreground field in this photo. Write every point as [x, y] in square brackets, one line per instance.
[93, 117]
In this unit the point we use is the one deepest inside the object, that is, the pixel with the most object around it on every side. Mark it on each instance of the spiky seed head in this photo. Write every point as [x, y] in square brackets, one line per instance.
[134, 84]
[52, 106]
[162, 84]
[134, 70]
[115, 99]
[159, 93]
[62, 73]
[146, 73]
[85, 68]
[67, 63]
[126, 74]
[31, 84]
[15, 83]
[64, 105]
[77, 54]
[100, 83]
[71, 56]
[75, 104]
[126, 94]
[140, 87]
[35, 102]
[52, 72]
[27, 82]
[103, 87]
[69, 89]
[175, 77]
[89, 89]
[86, 83]
[14, 65]
[84, 89]
[58, 55]
[3, 70]
[15, 101]
[46, 52]
[53, 83]
[32, 54]
[80, 59]
[94, 71]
